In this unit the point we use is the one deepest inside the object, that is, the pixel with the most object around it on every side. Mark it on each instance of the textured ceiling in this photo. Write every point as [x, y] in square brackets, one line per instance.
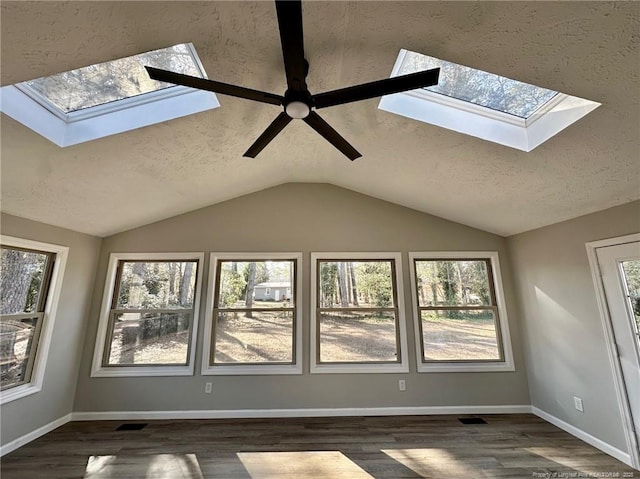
[112, 184]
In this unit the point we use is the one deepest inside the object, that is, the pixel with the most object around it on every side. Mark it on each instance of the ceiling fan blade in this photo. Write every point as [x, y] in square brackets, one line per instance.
[269, 134]
[377, 88]
[214, 86]
[332, 136]
[290, 24]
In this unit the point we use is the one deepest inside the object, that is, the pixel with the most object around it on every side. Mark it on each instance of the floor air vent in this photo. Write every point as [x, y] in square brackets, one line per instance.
[472, 420]
[133, 426]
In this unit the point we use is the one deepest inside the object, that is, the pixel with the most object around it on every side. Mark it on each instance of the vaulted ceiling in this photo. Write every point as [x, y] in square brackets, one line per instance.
[112, 184]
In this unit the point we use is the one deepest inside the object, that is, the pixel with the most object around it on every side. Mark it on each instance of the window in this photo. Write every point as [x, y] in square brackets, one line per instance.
[149, 315]
[253, 314]
[107, 98]
[461, 322]
[484, 105]
[358, 323]
[30, 281]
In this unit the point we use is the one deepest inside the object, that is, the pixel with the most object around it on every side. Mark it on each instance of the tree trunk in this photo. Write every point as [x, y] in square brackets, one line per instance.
[135, 290]
[185, 284]
[251, 280]
[16, 279]
[354, 289]
[342, 280]
[172, 279]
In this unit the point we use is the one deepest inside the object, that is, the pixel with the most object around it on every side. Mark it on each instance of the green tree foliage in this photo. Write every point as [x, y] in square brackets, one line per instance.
[156, 285]
[447, 278]
[328, 284]
[632, 274]
[374, 280]
[454, 283]
[233, 285]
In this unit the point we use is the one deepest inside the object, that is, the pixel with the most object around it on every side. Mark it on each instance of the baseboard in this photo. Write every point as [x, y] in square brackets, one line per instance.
[33, 435]
[319, 412]
[586, 437]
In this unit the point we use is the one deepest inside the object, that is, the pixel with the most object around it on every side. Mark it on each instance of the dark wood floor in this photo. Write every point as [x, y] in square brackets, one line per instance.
[398, 447]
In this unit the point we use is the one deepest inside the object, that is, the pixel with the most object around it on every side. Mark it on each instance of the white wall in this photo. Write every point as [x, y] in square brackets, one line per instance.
[564, 340]
[55, 400]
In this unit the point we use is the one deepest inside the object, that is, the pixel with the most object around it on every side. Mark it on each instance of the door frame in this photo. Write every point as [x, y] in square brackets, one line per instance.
[621, 394]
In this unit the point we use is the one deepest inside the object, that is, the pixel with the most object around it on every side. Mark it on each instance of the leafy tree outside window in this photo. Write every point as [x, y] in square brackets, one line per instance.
[254, 312]
[25, 277]
[458, 313]
[356, 315]
[151, 316]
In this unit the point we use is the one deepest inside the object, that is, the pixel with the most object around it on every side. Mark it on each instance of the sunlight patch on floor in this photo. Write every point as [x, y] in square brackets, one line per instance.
[307, 464]
[156, 466]
[431, 462]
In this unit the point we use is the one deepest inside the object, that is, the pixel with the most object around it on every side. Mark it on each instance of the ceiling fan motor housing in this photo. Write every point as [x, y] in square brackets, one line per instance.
[298, 104]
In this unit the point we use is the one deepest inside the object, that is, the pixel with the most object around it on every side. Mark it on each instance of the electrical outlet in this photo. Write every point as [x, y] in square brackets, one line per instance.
[402, 385]
[208, 387]
[577, 402]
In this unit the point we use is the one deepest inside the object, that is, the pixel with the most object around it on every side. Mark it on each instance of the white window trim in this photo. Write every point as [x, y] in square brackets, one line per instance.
[253, 369]
[400, 367]
[51, 306]
[482, 122]
[97, 369]
[444, 367]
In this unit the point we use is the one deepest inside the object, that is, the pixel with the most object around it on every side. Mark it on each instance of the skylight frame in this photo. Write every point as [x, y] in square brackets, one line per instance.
[483, 122]
[27, 106]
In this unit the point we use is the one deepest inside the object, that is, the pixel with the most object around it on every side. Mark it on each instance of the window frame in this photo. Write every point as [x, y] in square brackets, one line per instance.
[503, 336]
[97, 367]
[60, 254]
[402, 365]
[209, 369]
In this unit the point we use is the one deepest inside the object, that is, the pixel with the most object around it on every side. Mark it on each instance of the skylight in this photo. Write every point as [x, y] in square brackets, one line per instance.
[483, 104]
[111, 81]
[107, 98]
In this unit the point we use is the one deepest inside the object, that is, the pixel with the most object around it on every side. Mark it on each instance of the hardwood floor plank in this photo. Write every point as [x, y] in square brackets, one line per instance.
[398, 447]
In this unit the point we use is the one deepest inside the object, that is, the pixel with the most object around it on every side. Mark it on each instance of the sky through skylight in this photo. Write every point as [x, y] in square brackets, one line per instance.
[479, 87]
[112, 81]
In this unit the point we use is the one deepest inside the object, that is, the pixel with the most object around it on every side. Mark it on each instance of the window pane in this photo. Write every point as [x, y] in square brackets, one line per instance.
[632, 275]
[453, 283]
[21, 274]
[149, 338]
[358, 336]
[115, 80]
[349, 284]
[254, 337]
[480, 87]
[454, 335]
[157, 284]
[16, 345]
[256, 284]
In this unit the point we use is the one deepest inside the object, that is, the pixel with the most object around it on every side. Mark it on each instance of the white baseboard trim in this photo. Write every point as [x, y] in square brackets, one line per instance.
[586, 437]
[33, 435]
[319, 412]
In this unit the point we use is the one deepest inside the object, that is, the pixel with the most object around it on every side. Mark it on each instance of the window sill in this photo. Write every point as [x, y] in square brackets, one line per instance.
[252, 370]
[359, 368]
[124, 372]
[18, 392]
[465, 367]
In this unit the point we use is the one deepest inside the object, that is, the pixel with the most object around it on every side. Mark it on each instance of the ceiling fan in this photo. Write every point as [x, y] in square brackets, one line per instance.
[297, 101]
